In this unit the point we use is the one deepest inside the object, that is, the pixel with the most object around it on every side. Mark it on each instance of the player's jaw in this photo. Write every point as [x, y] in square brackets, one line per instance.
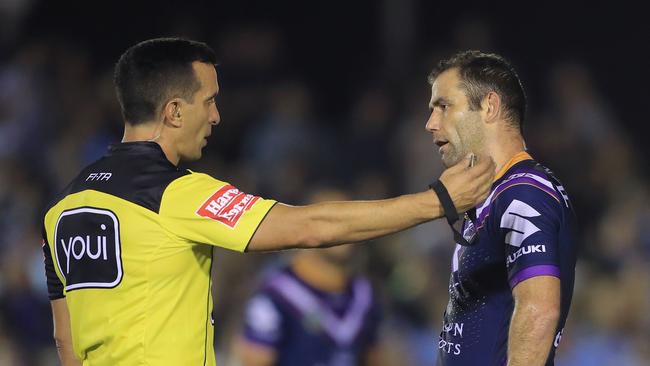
[448, 150]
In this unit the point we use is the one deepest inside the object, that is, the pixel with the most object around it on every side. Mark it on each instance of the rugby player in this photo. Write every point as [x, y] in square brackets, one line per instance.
[512, 278]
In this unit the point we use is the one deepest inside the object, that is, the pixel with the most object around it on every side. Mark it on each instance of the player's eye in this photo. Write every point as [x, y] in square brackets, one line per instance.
[441, 107]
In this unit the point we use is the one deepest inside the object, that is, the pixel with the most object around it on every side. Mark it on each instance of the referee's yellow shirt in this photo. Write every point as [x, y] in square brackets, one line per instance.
[129, 246]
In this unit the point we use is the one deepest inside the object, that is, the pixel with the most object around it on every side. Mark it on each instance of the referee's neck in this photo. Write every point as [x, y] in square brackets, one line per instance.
[151, 132]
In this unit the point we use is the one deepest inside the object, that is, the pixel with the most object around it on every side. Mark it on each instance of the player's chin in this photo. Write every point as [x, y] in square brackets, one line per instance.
[449, 160]
[446, 161]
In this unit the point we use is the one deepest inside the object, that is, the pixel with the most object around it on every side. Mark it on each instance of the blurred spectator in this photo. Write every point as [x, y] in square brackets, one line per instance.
[285, 149]
[609, 323]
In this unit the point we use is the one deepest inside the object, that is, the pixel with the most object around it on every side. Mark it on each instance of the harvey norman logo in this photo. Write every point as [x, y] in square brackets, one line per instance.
[227, 205]
[87, 248]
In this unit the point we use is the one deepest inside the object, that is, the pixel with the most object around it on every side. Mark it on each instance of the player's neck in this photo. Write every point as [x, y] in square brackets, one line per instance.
[503, 148]
[319, 273]
[150, 132]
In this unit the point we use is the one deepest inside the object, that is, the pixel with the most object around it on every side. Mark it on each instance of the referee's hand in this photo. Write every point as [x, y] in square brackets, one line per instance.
[468, 185]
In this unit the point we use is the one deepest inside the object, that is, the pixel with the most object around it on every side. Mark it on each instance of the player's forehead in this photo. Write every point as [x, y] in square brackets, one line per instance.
[447, 86]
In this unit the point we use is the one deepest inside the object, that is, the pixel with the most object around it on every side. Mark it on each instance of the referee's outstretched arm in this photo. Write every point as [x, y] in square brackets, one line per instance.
[333, 223]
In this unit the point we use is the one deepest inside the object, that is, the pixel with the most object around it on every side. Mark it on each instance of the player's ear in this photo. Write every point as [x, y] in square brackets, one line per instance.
[491, 106]
[172, 112]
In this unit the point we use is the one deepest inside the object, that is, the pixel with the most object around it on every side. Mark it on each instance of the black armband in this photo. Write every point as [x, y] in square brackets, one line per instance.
[449, 209]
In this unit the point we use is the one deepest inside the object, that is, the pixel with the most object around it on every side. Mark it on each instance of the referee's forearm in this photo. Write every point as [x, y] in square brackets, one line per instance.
[66, 354]
[335, 223]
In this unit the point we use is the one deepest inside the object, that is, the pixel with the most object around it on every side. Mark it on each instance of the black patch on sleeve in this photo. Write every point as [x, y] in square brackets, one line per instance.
[54, 285]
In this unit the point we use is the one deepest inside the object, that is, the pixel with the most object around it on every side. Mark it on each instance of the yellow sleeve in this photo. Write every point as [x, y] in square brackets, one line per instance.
[201, 209]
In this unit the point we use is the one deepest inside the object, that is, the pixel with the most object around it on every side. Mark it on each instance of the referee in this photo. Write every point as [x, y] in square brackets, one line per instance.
[128, 243]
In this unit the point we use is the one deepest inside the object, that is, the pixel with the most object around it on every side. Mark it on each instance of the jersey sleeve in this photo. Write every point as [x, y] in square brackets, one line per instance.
[528, 218]
[263, 322]
[54, 285]
[201, 209]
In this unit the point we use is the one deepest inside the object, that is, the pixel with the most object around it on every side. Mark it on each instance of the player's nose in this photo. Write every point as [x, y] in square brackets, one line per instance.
[214, 117]
[433, 123]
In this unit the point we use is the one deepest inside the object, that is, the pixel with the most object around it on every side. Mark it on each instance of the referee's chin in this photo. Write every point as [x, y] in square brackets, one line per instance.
[192, 157]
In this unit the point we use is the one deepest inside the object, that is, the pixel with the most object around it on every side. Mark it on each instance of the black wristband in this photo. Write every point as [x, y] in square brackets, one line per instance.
[446, 201]
[450, 210]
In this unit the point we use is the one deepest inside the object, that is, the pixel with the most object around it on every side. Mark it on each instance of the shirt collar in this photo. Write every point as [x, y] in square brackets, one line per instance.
[520, 156]
[146, 148]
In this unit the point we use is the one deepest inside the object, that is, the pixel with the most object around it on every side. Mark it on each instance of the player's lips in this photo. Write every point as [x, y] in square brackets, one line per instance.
[441, 144]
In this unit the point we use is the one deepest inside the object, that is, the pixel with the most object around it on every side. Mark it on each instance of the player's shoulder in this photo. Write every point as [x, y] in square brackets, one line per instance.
[529, 181]
[274, 278]
[530, 186]
[280, 286]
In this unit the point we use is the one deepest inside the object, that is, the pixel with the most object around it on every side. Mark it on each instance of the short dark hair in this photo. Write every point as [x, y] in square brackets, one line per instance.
[481, 73]
[156, 70]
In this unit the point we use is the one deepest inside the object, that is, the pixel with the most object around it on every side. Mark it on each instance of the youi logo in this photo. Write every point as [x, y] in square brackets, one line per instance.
[87, 248]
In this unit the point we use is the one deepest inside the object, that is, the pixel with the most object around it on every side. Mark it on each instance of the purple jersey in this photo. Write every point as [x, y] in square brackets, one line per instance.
[523, 229]
[309, 327]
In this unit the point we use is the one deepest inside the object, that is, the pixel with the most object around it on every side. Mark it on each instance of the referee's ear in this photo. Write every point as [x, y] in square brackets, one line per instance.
[172, 113]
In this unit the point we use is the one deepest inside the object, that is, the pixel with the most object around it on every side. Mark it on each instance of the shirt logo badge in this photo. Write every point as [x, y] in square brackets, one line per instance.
[515, 219]
[227, 205]
[87, 248]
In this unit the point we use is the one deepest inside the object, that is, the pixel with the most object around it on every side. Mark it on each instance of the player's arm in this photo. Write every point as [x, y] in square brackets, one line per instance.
[253, 354]
[62, 333]
[263, 331]
[530, 216]
[534, 320]
[333, 223]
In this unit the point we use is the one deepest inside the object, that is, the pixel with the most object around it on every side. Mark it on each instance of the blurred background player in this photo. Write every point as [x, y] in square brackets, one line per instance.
[315, 311]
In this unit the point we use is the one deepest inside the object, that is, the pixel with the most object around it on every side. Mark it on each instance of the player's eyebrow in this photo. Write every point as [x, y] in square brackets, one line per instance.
[213, 96]
[438, 101]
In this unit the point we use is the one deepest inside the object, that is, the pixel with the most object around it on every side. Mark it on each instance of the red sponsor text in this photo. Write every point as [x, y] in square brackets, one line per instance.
[227, 205]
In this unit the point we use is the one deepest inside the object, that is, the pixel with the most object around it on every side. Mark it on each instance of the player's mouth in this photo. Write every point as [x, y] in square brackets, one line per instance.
[441, 144]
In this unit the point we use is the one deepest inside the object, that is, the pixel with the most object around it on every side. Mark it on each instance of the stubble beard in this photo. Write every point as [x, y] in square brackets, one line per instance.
[470, 140]
[453, 155]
